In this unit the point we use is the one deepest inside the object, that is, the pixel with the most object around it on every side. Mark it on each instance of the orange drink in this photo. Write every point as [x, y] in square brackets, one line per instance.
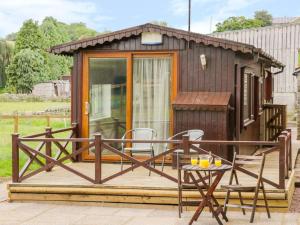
[204, 161]
[194, 161]
[218, 162]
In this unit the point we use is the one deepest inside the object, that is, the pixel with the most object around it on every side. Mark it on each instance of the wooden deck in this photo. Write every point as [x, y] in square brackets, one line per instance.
[133, 187]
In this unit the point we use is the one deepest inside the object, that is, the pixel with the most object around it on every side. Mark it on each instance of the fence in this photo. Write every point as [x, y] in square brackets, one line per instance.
[283, 146]
[16, 118]
[275, 120]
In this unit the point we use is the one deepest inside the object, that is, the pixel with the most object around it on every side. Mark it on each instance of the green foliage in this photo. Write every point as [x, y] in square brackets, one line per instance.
[53, 32]
[238, 23]
[26, 69]
[29, 37]
[264, 16]
[6, 53]
[78, 31]
[35, 40]
[57, 66]
[261, 19]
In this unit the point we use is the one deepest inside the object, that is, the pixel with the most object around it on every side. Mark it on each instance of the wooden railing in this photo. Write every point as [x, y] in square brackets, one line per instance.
[16, 119]
[275, 120]
[283, 146]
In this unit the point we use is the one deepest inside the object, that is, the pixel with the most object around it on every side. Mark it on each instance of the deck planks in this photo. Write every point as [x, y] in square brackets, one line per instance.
[134, 187]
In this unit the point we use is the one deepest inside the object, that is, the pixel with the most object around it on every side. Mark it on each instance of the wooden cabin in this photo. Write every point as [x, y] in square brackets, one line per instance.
[171, 80]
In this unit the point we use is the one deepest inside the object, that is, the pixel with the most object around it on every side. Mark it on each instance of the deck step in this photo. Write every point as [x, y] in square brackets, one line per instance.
[277, 199]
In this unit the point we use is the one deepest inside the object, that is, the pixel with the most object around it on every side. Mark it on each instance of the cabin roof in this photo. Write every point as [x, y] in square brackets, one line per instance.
[213, 101]
[70, 47]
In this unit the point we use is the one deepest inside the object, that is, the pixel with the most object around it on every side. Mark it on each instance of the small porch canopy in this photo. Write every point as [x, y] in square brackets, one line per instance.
[212, 101]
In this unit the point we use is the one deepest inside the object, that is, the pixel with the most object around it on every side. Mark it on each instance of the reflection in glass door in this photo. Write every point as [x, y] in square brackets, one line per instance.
[107, 97]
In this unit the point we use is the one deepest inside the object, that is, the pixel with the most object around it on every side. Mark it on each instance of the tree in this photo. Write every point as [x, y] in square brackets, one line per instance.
[57, 65]
[78, 31]
[26, 69]
[29, 37]
[238, 23]
[261, 19]
[264, 16]
[53, 32]
[32, 43]
[6, 53]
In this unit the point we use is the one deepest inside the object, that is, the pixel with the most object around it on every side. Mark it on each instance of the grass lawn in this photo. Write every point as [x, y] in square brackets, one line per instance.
[26, 127]
[10, 107]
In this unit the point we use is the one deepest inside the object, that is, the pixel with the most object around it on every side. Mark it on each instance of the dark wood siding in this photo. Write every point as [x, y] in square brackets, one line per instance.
[76, 90]
[213, 123]
[219, 75]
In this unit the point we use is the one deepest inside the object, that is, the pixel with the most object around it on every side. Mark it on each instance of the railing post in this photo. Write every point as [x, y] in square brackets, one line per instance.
[186, 151]
[15, 158]
[282, 146]
[48, 120]
[75, 144]
[16, 123]
[48, 148]
[290, 148]
[98, 154]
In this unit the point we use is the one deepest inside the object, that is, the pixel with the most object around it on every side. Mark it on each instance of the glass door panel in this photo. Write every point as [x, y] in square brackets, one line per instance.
[107, 97]
[151, 95]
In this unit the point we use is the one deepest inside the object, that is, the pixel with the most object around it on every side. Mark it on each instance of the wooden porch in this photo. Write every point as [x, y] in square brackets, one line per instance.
[132, 188]
[60, 180]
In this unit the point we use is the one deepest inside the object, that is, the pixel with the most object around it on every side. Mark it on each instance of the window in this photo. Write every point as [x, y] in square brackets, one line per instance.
[246, 97]
[260, 85]
[249, 96]
[268, 87]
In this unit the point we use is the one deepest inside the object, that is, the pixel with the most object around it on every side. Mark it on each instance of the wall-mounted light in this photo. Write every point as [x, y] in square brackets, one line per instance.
[203, 61]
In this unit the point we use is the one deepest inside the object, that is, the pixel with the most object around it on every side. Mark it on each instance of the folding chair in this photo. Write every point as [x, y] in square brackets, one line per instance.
[240, 160]
[147, 134]
[195, 135]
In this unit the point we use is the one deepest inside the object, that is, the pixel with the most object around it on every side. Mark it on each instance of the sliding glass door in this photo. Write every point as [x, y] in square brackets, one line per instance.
[151, 94]
[123, 91]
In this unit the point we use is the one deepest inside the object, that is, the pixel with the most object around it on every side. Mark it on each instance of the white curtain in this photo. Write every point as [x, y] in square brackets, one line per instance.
[151, 95]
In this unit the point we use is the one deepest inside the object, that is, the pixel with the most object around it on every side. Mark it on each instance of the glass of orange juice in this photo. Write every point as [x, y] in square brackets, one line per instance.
[204, 161]
[194, 160]
[218, 161]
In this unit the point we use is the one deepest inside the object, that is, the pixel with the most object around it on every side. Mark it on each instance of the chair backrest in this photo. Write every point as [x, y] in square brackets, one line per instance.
[241, 160]
[141, 134]
[195, 135]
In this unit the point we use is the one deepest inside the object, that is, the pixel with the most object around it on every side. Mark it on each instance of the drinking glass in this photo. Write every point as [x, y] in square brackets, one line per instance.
[194, 160]
[218, 161]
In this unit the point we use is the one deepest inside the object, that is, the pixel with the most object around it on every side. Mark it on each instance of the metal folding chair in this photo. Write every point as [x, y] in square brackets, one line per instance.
[195, 135]
[147, 134]
[241, 160]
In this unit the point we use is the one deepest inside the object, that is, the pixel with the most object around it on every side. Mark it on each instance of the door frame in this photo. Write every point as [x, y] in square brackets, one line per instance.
[129, 55]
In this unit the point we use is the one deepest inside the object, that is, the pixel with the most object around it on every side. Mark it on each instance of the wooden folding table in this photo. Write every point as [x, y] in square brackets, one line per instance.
[208, 199]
